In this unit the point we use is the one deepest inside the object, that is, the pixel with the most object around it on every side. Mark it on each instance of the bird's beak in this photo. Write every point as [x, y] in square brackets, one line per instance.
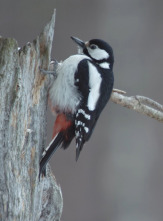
[78, 42]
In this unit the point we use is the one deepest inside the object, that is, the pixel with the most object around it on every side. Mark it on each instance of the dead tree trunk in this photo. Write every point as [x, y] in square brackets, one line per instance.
[23, 101]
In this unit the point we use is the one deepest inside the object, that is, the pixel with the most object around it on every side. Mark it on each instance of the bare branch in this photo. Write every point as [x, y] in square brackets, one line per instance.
[150, 102]
[140, 104]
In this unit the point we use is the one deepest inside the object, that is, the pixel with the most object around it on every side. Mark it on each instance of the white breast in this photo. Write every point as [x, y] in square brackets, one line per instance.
[63, 92]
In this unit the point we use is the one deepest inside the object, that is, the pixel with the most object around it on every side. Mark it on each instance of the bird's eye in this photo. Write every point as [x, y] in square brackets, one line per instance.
[93, 47]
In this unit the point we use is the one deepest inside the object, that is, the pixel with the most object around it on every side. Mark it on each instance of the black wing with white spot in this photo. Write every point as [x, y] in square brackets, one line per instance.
[95, 86]
[86, 116]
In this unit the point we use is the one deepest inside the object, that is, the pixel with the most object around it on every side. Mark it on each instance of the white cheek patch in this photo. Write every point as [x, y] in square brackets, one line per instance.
[98, 54]
[94, 84]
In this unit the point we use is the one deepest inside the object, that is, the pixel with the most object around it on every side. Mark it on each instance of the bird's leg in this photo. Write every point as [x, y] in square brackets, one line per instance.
[48, 72]
[52, 69]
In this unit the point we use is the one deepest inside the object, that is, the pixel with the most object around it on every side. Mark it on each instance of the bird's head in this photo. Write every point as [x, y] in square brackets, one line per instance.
[98, 50]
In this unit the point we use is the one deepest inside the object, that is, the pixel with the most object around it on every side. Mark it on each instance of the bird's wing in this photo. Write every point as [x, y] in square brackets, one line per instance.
[88, 81]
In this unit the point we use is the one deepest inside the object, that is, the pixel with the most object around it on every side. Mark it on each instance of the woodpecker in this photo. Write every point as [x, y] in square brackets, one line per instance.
[82, 87]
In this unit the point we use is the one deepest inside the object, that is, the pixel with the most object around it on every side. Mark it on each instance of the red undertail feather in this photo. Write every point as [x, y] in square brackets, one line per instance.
[61, 124]
[63, 133]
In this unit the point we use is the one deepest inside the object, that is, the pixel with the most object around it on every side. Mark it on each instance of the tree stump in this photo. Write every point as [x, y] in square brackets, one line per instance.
[23, 103]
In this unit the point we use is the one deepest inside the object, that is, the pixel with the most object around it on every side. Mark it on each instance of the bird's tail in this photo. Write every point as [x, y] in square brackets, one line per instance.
[79, 147]
[63, 133]
[50, 149]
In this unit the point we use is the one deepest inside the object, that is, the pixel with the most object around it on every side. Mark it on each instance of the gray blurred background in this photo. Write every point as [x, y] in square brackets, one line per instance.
[119, 175]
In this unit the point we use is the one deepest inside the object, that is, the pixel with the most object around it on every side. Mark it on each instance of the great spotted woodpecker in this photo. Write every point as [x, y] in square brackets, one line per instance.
[82, 87]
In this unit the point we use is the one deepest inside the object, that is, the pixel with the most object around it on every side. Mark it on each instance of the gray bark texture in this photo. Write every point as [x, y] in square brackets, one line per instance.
[23, 102]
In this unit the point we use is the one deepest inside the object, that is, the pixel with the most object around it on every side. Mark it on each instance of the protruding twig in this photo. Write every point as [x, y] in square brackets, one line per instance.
[119, 91]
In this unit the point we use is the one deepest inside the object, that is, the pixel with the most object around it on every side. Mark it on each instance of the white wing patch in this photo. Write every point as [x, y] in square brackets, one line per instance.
[86, 129]
[94, 84]
[81, 111]
[105, 65]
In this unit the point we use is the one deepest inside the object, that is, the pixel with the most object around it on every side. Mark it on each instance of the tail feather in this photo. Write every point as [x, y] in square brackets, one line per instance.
[79, 147]
[48, 152]
[63, 133]
[77, 153]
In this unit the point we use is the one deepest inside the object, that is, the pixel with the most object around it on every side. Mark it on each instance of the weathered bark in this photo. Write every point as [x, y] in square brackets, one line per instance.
[23, 101]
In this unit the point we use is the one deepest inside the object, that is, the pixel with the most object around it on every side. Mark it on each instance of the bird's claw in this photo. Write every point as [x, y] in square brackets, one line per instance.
[52, 68]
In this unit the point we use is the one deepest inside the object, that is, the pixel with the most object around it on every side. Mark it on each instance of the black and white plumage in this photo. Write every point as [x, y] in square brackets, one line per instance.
[82, 88]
